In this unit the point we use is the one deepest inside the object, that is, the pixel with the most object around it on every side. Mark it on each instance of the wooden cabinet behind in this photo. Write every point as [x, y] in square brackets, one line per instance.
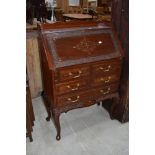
[33, 63]
[120, 20]
[30, 118]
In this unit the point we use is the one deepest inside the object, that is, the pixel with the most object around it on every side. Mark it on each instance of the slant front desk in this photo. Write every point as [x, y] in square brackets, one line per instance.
[81, 65]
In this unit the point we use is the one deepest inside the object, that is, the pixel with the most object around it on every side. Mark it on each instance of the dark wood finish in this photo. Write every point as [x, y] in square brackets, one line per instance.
[30, 118]
[120, 20]
[81, 66]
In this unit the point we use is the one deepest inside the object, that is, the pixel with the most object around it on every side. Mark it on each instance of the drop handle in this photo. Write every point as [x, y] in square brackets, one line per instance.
[76, 88]
[73, 101]
[106, 81]
[105, 92]
[75, 76]
[105, 69]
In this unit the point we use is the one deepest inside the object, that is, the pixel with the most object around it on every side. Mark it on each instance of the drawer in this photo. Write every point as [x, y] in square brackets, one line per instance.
[72, 86]
[107, 67]
[105, 80]
[73, 73]
[74, 98]
[103, 91]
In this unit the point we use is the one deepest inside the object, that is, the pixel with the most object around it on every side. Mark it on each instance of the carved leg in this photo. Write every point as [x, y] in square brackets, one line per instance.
[49, 115]
[115, 101]
[47, 105]
[56, 116]
[30, 137]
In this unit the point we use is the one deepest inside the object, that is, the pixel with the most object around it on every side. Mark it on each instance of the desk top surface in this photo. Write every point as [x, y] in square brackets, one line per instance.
[70, 46]
[78, 16]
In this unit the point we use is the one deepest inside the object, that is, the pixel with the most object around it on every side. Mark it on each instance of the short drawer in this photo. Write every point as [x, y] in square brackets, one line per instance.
[72, 99]
[71, 86]
[103, 91]
[105, 80]
[107, 67]
[73, 73]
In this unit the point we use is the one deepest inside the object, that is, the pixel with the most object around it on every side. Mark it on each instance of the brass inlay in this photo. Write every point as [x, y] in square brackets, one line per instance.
[70, 99]
[75, 76]
[105, 92]
[106, 80]
[86, 45]
[105, 69]
[76, 88]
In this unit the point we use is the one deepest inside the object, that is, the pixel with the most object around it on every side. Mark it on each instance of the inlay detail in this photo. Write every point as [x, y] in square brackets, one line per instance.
[87, 45]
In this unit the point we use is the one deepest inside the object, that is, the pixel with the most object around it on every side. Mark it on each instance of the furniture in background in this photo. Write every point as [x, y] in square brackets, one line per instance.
[100, 10]
[81, 66]
[58, 14]
[92, 13]
[74, 9]
[77, 17]
[33, 63]
[103, 18]
[120, 21]
[30, 118]
[29, 12]
[42, 12]
[36, 9]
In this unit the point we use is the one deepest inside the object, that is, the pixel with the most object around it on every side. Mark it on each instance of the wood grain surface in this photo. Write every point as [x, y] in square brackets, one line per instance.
[33, 63]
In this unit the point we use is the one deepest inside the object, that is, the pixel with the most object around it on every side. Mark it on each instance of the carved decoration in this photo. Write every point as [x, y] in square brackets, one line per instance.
[68, 107]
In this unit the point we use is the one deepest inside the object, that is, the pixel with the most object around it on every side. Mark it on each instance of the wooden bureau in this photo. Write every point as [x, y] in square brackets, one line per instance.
[81, 65]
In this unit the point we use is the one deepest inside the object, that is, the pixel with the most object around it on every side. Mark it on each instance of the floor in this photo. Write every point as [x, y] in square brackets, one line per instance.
[86, 131]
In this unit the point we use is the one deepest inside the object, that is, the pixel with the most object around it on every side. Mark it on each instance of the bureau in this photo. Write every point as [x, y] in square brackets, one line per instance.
[81, 66]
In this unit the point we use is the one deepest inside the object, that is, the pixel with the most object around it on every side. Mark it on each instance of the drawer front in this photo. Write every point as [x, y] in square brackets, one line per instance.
[72, 99]
[107, 67]
[103, 91]
[105, 80]
[73, 73]
[72, 86]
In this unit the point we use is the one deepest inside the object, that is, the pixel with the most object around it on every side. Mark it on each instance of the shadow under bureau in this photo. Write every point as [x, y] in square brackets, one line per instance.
[81, 66]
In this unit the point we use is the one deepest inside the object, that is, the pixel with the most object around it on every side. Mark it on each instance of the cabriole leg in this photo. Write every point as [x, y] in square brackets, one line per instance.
[56, 116]
[49, 114]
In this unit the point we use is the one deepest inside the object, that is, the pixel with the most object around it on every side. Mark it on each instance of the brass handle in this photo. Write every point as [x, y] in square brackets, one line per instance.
[106, 81]
[76, 76]
[105, 92]
[76, 88]
[105, 70]
[77, 98]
